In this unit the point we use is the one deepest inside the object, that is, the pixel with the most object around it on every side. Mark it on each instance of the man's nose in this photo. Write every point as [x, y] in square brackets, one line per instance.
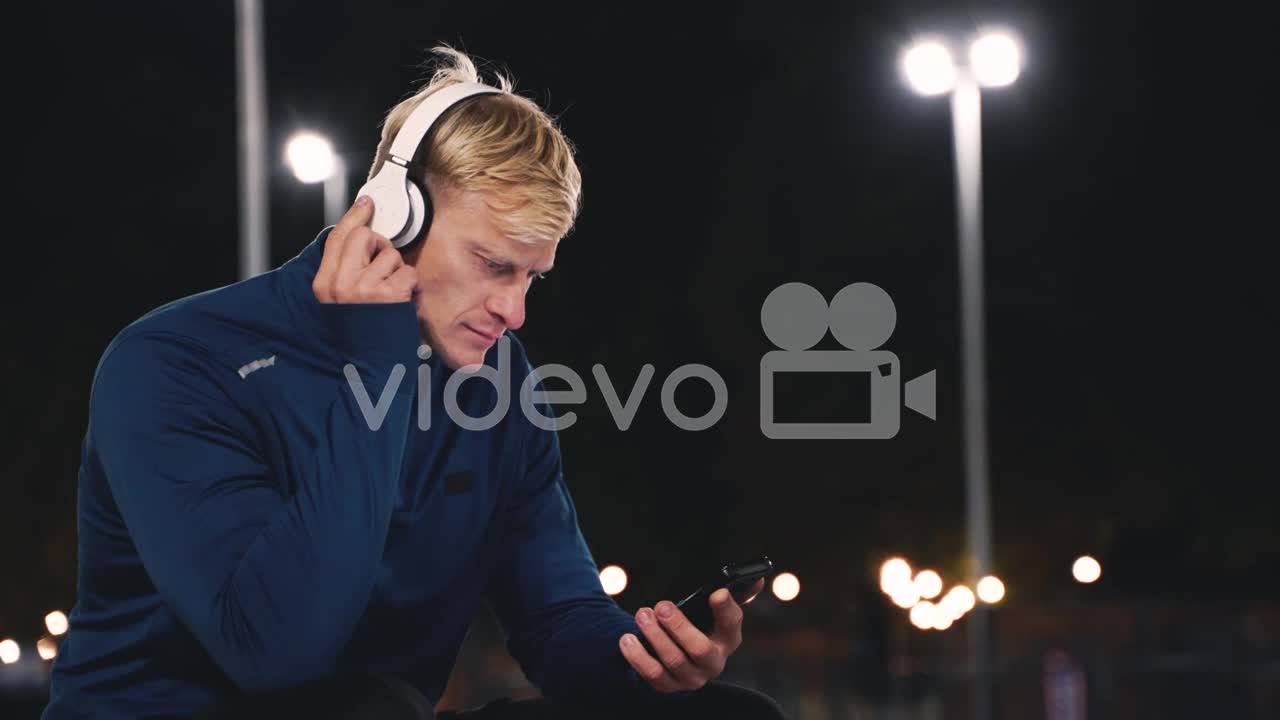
[508, 304]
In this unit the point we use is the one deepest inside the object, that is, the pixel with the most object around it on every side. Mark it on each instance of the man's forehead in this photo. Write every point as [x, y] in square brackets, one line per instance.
[468, 213]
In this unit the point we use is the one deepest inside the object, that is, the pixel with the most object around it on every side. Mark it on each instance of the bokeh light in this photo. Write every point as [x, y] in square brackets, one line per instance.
[786, 586]
[928, 584]
[47, 648]
[990, 590]
[958, 601]
[924, 615]
[1086, 569]
[895, 576]
[56, 621]
[9, 652]
[613, 579]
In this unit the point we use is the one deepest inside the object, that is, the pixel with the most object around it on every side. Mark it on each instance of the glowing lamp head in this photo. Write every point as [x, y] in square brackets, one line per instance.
[928, 68]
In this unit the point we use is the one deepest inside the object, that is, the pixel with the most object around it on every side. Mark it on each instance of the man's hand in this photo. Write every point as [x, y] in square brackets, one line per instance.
[361, 266]
[686, 658]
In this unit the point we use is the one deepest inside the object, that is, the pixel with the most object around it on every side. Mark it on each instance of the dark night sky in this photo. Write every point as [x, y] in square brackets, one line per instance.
[727, 150]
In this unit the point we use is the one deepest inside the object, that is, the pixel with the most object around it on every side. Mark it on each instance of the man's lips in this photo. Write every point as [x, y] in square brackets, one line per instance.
[486, 336]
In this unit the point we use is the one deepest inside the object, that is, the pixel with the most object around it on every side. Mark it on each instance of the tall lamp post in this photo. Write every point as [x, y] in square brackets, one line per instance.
[312, 159]
[251, 114]
[994, 60]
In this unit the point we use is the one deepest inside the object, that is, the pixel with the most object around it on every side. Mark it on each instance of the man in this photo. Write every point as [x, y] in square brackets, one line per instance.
[254, 542]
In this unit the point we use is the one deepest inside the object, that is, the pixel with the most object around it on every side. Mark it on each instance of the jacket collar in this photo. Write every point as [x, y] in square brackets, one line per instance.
[296, 275]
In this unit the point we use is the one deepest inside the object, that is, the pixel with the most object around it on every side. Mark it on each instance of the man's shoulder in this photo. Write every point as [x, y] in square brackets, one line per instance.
[244, 304]
[209, 328]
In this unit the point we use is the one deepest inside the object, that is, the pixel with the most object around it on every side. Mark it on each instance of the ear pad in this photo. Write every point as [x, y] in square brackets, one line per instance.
[419, 215]
[392, 205]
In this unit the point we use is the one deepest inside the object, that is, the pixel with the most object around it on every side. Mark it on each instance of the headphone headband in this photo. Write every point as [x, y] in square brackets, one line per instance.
[425, 115]
[401, 209]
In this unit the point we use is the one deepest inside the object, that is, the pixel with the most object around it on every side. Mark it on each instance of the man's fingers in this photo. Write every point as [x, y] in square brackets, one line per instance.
[683, 656]
[356, 216]
[404, 283]
[728, 616]
[664, 647]
[361, 266]
[691, 660]
[386, 262]
[376, 284]
[697, 646]
[360, 213]
[648, 668]
[361, 247]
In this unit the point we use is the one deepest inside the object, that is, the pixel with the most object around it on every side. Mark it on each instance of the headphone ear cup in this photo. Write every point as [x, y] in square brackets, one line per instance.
[419, 215]
[391, 202]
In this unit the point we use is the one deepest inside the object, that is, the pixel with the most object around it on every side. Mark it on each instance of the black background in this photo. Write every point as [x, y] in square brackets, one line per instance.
[727, 148]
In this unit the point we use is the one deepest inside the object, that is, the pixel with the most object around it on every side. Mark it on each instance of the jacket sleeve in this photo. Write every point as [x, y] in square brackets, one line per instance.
[271, 584]
[561, 626]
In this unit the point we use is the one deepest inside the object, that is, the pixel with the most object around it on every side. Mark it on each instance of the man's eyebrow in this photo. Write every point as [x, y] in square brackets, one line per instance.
[501, 259]
[488, 253]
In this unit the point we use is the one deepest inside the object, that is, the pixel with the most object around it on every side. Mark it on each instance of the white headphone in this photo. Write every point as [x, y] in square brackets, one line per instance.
[401, 209]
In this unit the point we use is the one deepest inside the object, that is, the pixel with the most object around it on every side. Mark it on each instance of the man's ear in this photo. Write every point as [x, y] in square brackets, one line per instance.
[411, 252]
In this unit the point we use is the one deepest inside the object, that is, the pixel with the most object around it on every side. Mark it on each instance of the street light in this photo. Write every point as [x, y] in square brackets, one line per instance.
[994, 60]
[312, 159]
[929, 68]
[251, 115]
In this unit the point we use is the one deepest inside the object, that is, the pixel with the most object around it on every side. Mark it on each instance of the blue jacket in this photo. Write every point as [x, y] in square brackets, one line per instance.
[243, 528]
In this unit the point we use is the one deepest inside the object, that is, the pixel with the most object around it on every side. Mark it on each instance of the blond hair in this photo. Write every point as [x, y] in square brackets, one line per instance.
[501, 146]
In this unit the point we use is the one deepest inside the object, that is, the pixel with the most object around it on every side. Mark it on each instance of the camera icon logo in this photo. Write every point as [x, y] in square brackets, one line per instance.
[861, 317]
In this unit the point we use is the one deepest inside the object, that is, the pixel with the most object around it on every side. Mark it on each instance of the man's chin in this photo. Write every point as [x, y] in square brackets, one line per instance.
[468, 360]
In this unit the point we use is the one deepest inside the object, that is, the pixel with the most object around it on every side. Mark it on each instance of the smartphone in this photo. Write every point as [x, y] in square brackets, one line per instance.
[738, 577]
